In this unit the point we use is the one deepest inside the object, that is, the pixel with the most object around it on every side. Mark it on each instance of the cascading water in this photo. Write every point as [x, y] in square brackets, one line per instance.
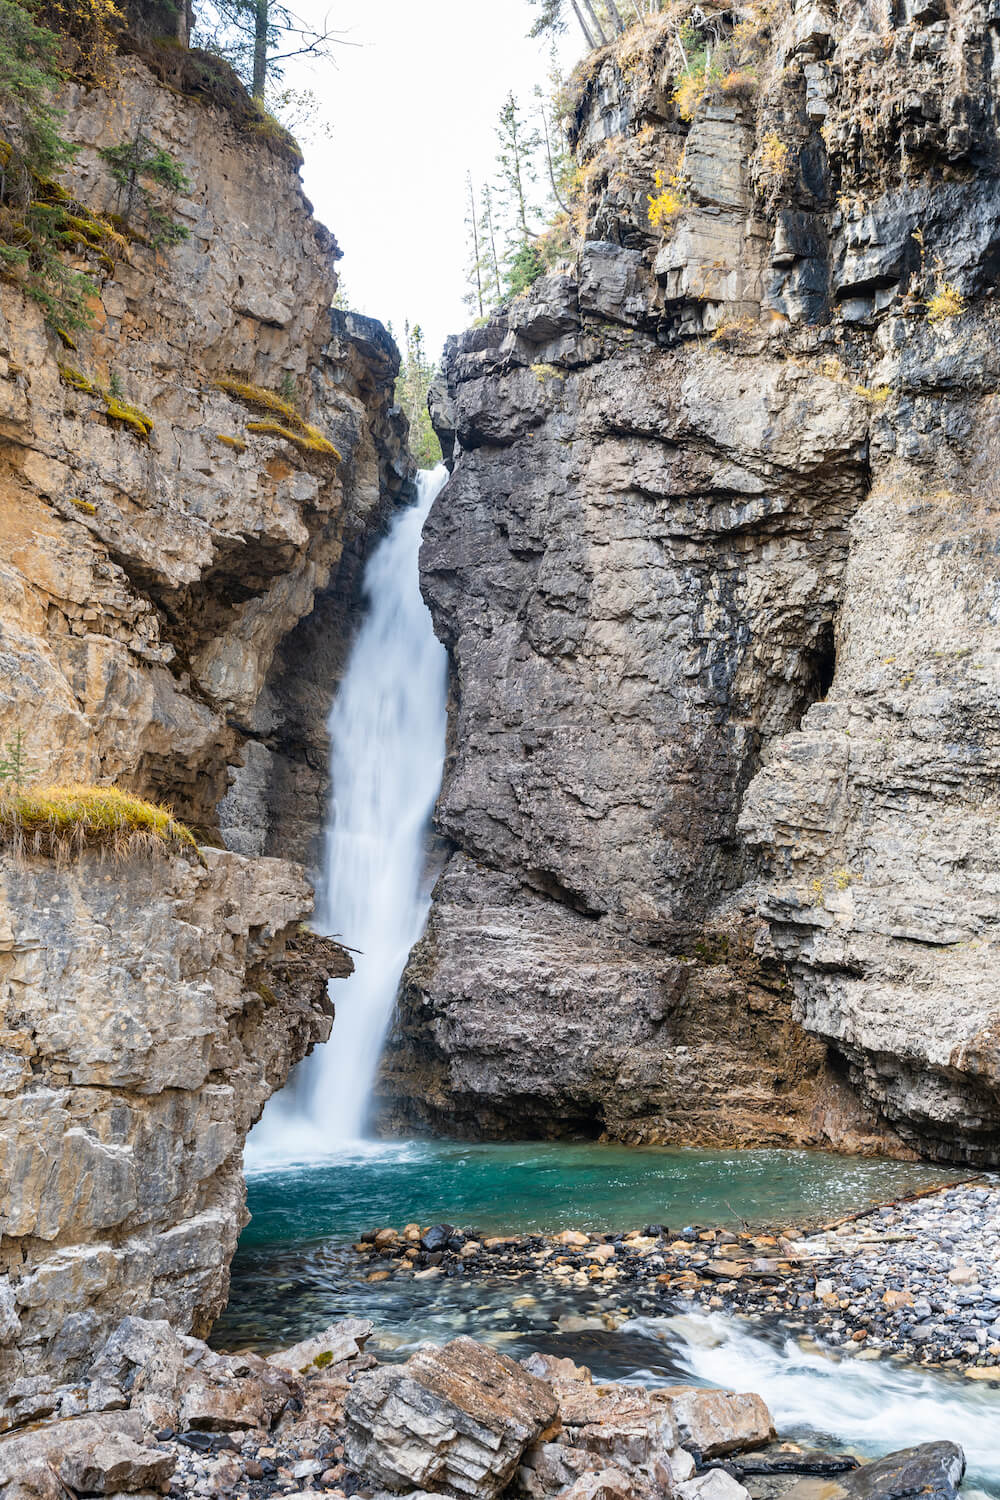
[387, 737]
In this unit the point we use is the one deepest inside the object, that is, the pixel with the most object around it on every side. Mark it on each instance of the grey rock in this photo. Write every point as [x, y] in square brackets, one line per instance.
[20, 1452]
[115, 1464]
[455, 1420]
[341, 1341]
[934, 1470]
[705, 683]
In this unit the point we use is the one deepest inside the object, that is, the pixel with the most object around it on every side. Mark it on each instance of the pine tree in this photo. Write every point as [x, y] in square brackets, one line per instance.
[598, 23]
[15, 768]
[412, 385]
[516, 160]
[474, 296]
[492, 283]
[257, 37]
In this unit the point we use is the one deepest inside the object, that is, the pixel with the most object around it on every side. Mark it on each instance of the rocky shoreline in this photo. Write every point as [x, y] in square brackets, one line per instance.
[161, 1414]
[917, 1280]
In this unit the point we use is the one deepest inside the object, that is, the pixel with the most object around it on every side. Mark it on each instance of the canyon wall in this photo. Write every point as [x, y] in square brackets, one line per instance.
[147, 1011]
[188, 488]
[152, 583]
[716, 566]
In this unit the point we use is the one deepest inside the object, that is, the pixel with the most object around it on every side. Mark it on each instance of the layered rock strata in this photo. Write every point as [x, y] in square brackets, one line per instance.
[150, 581]
[187, 489]
[147, 1011]
[723, 787]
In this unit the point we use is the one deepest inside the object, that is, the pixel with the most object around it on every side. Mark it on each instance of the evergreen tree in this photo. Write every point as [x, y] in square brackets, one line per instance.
[412, 385]
[492, 284]
[519, 143]
[599, 22]
[257, 37]
[15, 768]
[474, 296]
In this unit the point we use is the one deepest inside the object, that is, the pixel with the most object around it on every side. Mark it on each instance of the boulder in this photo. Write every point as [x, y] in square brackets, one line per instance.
[715, 1485]
[22, 1452]
[933, 1471]
[607, 1484]
[454, 1420]
[340, 1342]
[550, 1468]
[115, 1464]
[718, 1422]
[625, 1426]
[38, 1483]
[550, 1367]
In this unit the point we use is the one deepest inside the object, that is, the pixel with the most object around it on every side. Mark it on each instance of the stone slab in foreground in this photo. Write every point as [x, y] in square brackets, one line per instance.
[455, 1420]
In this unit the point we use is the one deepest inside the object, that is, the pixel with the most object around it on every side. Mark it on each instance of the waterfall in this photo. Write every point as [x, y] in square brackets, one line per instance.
[387, 736]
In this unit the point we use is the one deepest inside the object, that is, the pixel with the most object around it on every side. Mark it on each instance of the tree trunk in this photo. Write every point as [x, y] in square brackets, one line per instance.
[595, 23]
[493, 241]
[260, 49]
[616, 16]
[548, 155]
[475, 245]
[583, 25]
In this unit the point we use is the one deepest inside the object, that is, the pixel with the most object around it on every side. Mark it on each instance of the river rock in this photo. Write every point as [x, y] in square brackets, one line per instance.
[453, 1420]
[116, 1463]
[436, 1238]
[340, 1342]
[719, 1422]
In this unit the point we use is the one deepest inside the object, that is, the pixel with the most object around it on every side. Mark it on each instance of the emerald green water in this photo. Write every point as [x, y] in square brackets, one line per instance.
[295, 1273]
[525, 1188]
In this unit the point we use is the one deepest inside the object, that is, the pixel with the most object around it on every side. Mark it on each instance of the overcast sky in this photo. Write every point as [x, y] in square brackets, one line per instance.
[412, 105]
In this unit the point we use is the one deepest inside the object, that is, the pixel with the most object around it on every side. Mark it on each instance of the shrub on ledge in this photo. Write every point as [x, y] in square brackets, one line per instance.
[64, 821]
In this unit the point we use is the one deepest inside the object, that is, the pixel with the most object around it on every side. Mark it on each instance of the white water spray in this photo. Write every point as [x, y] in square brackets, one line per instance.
[387, 737]
[869, 1408]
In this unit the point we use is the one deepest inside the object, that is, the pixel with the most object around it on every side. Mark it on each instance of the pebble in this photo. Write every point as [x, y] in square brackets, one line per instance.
[915, 1279]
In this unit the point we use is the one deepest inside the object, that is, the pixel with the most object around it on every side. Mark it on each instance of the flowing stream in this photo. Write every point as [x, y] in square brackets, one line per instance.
[387, 735]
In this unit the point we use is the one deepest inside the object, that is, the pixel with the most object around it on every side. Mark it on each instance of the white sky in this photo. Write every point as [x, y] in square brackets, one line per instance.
[412, 107]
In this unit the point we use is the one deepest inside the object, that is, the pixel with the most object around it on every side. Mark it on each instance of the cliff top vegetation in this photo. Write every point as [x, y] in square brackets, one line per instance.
[64, 821]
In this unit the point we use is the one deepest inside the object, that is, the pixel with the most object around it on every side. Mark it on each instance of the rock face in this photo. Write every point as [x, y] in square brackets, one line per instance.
[152, 586]
[176, 594]
[146, 1014]
[722, 795]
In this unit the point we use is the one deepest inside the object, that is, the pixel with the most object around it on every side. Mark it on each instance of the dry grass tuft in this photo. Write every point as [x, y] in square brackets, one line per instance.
[257, 395]
[292, 427]
[63, 821]
[946, 301]
[310, 439]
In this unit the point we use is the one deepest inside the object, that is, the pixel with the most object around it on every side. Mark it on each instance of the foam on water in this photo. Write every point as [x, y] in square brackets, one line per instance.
[869, 1407]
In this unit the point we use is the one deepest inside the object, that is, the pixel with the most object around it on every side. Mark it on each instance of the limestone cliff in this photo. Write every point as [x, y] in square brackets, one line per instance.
[187, 489]
[716, 566]
[147, 1011]
[151, 583]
